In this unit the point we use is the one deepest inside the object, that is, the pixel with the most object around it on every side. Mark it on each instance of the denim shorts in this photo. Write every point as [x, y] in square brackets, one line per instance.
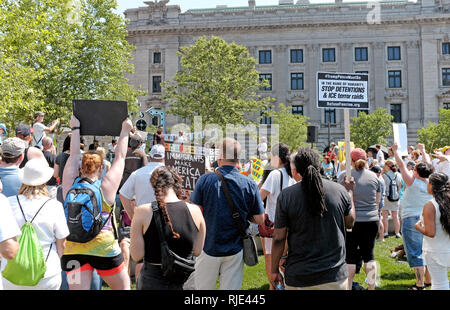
[412, 240]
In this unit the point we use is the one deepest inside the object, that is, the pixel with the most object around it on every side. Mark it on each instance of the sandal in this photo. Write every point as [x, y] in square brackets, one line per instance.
[427, 285]
[416, 288]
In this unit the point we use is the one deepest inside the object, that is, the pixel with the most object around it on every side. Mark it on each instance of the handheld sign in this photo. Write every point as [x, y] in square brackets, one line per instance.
[190, 167]
[401, 137]
[100, 117]
[342, 90]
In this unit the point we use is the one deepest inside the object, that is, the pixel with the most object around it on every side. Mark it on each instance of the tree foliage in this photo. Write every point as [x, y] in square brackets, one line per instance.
[293, 128]
[217, 81]
[436, 135]
[370, 129]
[54, 51]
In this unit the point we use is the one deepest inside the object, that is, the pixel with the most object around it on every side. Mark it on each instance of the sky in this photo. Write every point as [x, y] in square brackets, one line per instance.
[202, 4]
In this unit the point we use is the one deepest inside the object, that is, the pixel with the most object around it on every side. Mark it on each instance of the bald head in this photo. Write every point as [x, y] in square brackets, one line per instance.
[230, 151]
[47, 143]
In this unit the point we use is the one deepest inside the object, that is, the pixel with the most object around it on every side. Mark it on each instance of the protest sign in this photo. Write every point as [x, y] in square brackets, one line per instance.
[257, 169]
[188, 166]
[100, 117]
[401, 137]
[342, 90]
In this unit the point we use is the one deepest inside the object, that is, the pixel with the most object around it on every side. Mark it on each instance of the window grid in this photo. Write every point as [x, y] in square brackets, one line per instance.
[445, 48]
[157, 58]
[394, 53]
[328, 55]
[297, 56]
[446, 76]
[265, 57]
[297, 109]
[395, 79]
[267, 77]
[361, 54]
[330, 116]
[396, 112]
[296, 81]
[156, 84]
[447, 105]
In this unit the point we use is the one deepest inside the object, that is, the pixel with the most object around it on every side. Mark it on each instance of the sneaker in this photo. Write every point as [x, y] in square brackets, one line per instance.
[357, 287]
[398, 236]
[386, 235]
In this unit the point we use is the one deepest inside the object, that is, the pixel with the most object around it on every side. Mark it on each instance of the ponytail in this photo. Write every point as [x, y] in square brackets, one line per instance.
[440, 185]
[307, 164]
[282, 150]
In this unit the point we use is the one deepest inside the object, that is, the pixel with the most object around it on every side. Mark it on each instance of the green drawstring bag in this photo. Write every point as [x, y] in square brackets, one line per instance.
[28, 267]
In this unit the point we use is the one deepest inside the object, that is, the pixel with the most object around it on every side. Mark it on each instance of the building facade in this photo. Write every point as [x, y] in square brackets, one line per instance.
[403, 46]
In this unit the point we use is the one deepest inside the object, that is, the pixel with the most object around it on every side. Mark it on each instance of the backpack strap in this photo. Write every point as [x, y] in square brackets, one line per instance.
[158, 222]
[21, 209]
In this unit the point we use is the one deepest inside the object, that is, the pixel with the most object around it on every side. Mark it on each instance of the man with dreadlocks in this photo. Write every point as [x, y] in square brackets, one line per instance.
[313, 216]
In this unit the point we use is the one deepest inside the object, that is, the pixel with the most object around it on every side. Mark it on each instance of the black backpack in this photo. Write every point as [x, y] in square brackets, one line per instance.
[393, 194]
[175, 268]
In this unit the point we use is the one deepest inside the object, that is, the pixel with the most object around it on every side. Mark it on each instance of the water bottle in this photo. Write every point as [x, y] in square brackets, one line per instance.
[280, 287]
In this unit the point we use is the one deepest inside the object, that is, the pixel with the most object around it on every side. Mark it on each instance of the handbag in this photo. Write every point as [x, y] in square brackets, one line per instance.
[250, 252]
[175, 268]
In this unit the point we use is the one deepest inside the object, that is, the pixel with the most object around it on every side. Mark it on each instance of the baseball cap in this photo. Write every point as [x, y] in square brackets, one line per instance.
[13, 147]
[376, 169]
[358, 154]
[23, 130]
[3, 126]
[445, 148]
[158, 152]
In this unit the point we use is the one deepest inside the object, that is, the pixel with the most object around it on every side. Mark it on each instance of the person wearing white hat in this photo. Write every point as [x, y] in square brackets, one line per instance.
[47, 215]
[3, 131]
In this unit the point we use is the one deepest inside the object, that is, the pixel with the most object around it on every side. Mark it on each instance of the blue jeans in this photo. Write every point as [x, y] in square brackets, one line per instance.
[412, 241]
[96, 283]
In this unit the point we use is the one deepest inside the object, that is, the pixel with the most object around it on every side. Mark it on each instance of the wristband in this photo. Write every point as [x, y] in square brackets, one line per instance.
[75, 128]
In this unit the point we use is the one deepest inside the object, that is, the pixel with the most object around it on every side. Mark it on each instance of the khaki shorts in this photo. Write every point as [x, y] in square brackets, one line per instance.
[333, 286]
[390, 205]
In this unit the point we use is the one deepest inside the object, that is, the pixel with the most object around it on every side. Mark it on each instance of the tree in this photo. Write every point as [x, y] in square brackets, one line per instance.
[436, 135]
[293, 128]
[217, 81]
[54, 51]
[370, 129]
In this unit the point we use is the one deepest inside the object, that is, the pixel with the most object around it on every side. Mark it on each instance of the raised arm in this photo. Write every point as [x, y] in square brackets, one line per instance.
[425, 156]
[407, 175]
[111, 181]
[72, 167]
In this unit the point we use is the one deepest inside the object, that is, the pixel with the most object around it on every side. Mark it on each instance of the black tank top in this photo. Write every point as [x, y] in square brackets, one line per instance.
[183, 224]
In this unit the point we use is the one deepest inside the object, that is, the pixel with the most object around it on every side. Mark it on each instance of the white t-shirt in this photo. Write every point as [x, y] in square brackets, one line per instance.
[138, 185]
[181, 140]
[50, 224]
[8, 226]
[38, 134]
[272, 185]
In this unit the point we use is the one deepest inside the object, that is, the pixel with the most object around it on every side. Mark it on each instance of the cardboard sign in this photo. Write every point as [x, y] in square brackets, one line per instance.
[188, 166]
[401, 137]
[100, 117]
[343, 90]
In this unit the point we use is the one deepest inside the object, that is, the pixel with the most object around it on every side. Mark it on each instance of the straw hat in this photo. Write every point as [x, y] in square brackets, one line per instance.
[36, 172]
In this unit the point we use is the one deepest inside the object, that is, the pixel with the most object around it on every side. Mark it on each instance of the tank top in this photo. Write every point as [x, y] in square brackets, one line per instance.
[441, 241]
[414, 199]
[182, 223]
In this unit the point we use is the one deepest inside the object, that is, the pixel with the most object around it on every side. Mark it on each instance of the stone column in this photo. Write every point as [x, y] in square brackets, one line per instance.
[378, 74]
[412, 109]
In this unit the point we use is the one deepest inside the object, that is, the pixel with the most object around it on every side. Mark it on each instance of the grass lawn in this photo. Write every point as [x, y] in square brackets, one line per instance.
[393, 274]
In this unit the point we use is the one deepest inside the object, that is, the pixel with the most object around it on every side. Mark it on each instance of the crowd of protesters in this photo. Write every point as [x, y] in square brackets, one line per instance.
[317, 225]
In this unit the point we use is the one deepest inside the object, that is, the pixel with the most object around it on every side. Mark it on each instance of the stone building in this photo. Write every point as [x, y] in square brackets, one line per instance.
[403, 46]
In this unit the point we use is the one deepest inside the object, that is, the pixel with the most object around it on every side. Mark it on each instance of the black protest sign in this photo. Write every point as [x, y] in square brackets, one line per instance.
[188, 166]
[100, 117]
[343, 90]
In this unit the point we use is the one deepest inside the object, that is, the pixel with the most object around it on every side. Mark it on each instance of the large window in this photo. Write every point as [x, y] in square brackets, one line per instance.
[157, 58]
[396, 112]
[297, 109]
[361, 54]
[394, 53]
[156, 84]
[447, 105]
[265, 57]
[330, 116]
[395, 79]
[297, 81]
[297, 56]
[446, 76]
[445, 48]
[268, 77]
[328, 55]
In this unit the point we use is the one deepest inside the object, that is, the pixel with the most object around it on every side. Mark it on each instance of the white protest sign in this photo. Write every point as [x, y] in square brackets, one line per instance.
[401, 138]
